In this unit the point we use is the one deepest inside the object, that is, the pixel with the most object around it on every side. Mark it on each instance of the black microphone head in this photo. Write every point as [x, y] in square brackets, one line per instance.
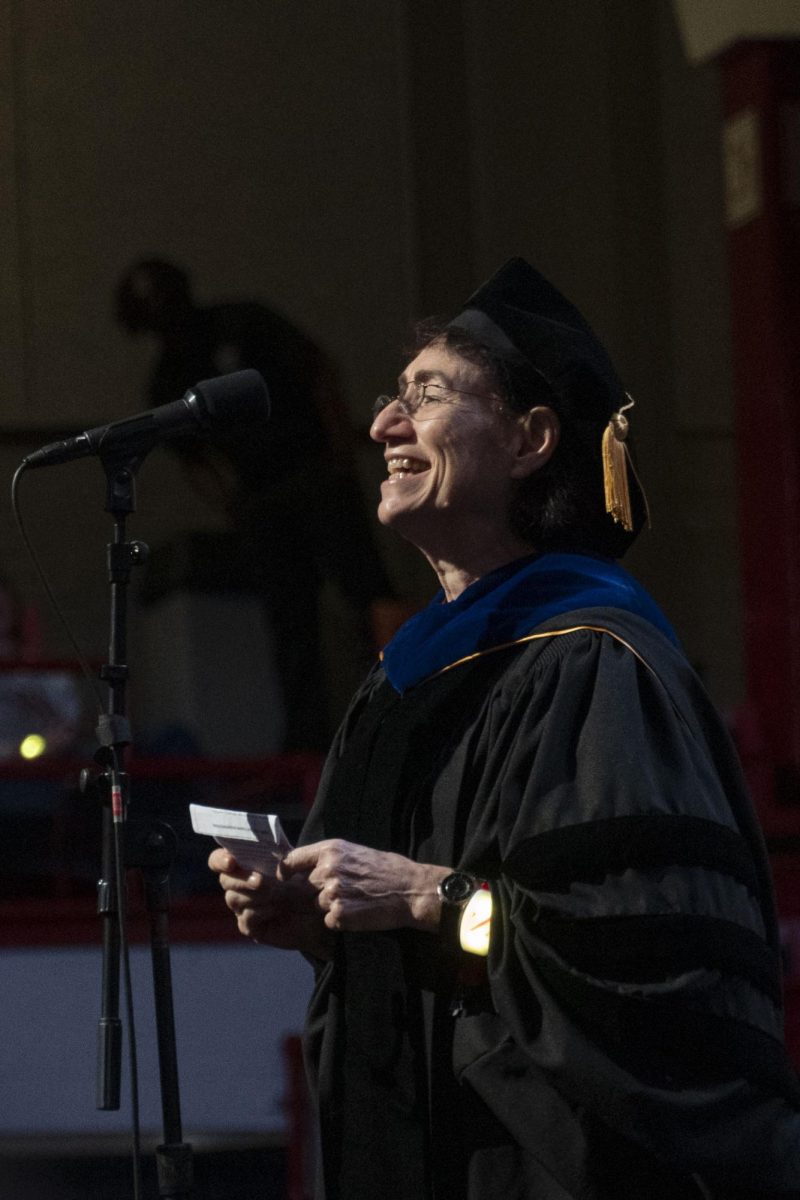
[240, 396]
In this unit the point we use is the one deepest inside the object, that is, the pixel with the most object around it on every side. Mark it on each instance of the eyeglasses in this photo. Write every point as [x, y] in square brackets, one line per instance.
[417, 394]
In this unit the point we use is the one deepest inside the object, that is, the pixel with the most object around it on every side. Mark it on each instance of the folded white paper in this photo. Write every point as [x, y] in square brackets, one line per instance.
[256, 840]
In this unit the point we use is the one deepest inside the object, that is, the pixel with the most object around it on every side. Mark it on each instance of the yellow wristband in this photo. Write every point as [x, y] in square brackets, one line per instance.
[475, 926]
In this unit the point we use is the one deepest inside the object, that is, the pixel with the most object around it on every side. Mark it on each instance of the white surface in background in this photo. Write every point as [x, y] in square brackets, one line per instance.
[233, 1007]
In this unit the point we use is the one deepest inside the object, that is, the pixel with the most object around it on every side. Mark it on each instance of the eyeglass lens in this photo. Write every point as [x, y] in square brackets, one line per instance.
[412, 399]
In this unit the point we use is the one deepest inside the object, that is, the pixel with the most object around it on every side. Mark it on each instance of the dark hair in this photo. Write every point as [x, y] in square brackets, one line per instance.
[561, 506]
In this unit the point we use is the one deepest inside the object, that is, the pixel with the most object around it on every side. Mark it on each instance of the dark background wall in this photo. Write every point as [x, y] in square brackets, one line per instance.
[357, 163]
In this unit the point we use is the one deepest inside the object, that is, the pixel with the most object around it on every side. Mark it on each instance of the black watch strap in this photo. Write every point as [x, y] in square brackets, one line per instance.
[456, 888]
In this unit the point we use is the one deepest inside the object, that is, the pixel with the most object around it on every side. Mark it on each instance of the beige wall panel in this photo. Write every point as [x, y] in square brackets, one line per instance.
[710, 598]
[255, 143]
[11, 299]
[703, 493]
[542, 178]
[695, 236]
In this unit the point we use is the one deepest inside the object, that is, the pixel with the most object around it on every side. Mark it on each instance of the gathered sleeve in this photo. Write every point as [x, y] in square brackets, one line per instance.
[634, 953]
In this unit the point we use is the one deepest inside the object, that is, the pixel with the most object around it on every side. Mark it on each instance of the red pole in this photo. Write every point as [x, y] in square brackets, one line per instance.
[761, 89]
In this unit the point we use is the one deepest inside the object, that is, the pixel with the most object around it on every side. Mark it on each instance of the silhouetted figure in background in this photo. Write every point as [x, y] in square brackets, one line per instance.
[289, 486]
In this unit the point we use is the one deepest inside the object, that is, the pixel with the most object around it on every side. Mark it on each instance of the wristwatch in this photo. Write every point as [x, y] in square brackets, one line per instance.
[456, 888]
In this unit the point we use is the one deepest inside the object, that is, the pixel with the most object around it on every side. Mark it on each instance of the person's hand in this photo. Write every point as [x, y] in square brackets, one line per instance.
[277, 912]
[361, 889]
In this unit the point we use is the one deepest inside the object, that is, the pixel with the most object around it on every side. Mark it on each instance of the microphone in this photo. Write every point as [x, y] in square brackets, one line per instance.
[225, 400]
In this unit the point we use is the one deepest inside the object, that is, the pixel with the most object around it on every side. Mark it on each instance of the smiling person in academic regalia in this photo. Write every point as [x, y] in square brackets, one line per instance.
[533, 770]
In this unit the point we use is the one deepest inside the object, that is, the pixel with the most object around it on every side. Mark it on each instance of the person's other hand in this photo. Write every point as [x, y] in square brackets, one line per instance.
[275, 911]
[362, 889]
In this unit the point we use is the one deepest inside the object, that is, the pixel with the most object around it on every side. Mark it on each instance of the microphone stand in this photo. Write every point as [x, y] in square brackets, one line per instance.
[146, 846]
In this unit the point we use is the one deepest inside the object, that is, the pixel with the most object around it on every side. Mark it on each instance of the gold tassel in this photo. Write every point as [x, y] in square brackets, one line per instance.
[616, 459]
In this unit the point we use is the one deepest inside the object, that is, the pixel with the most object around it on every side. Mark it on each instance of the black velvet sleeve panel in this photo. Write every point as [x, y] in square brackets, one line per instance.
[634, 942]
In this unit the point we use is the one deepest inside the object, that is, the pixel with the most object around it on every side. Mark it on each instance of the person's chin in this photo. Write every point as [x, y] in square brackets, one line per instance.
[399, 512]
[390, 514]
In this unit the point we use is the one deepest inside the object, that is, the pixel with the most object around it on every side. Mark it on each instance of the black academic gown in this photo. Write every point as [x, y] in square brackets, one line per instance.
[626, 1040]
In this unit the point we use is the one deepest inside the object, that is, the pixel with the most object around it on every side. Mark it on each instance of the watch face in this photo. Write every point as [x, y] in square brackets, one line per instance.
[457, 887]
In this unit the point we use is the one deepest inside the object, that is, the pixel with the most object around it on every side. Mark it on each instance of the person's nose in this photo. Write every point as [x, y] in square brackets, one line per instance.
[390, 422]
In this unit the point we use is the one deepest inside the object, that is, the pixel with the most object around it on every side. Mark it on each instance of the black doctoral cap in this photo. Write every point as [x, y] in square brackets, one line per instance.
[554, 357]
[519, 311]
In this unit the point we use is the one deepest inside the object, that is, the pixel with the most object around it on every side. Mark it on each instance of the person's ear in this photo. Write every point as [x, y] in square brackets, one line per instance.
[538, 433]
